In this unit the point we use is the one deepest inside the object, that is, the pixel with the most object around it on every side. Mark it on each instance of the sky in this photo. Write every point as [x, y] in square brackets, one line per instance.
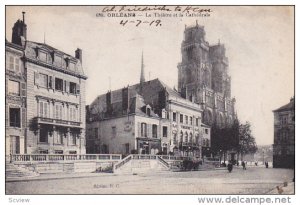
[259, 44]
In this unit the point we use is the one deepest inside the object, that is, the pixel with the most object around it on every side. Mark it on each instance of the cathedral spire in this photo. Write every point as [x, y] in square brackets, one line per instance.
[142, 79]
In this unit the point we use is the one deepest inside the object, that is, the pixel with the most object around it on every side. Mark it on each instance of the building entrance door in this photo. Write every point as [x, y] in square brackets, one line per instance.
[14, 145]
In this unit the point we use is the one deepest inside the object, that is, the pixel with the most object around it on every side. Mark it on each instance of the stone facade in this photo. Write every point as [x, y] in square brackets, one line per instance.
[15, 104]
[284, 136]
[203, 77]
[54, 121]
[146, 118]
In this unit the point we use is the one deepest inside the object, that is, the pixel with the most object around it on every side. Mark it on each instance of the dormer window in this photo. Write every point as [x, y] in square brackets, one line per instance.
[58, 60]
[148, 110]
[43, 56]
[72, 66]
[67, 62]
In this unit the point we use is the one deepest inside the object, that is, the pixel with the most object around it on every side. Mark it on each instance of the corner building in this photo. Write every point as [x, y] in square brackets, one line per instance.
[15, 99]
[284, 136]
[55, 97]
[145, 118]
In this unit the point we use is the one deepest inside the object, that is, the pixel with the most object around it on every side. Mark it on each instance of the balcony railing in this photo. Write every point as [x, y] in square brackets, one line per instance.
[62, 157]
[57, 121]
[191, 144]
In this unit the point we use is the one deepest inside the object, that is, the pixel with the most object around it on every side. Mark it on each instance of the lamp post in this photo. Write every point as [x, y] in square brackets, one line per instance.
[263, 157]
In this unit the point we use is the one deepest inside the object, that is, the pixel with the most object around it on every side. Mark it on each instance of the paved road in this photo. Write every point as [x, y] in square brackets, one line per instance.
[254, 180]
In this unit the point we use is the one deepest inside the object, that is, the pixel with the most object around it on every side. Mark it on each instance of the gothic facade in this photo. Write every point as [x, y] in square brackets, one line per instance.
[203, 77]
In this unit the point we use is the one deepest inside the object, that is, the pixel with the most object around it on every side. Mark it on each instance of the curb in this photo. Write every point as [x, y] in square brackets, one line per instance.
[51, 178]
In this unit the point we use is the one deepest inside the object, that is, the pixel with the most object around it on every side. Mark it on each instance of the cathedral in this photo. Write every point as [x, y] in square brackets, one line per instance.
[203, 77]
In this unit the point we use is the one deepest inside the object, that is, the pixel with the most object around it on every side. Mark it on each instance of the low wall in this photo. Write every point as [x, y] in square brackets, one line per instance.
[66, 166]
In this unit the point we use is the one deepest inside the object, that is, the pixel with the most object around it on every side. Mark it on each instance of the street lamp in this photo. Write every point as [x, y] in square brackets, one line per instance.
[263, 157]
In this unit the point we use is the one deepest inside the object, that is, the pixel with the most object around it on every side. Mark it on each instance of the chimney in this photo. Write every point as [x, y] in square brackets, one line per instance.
[125, 100]
[78, 54]
[19, 31]
[23, 13]
[108, 103]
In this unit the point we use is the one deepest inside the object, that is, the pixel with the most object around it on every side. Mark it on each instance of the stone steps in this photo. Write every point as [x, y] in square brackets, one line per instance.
[15, 171]
[141, 166]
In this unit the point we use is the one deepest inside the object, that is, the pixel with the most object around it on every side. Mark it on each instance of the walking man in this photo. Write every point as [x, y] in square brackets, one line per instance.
[244, 165]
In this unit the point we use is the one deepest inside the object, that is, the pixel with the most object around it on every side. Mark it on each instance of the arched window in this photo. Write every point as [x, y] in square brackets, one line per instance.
[207, 77]
[197, 139]
[191, 138]
[221, 120]
[186, 137]
[148, 111]
[174, 138]
[181, 136]
[208, 117]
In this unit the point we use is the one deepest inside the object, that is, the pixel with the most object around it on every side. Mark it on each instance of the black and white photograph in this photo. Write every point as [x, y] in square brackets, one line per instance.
[149, 100]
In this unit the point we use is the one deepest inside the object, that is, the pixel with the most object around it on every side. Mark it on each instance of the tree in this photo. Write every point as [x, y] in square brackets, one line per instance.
[225, 138]
[247, 143]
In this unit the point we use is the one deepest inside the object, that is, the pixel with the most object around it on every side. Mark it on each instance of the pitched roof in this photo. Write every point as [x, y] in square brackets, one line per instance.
[289, 106]
[140, 95]
[30, 50]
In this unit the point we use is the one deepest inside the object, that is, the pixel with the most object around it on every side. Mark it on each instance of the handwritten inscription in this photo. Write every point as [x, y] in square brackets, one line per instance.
[183, 9]
[151, 15]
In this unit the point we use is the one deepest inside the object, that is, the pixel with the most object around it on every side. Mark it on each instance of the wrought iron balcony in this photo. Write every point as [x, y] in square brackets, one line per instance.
[52, 121]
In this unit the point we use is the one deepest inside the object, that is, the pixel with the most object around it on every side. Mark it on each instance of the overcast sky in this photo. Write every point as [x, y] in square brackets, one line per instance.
[259, 43]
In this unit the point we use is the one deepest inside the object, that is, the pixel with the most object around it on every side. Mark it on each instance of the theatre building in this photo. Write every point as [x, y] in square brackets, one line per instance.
[55, 97]
[145, 118]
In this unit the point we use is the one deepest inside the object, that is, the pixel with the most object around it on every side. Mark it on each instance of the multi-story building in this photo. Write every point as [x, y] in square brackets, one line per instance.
[55, 97]
[284, 136]
[203, 77]
[148, 117]
[15, 104]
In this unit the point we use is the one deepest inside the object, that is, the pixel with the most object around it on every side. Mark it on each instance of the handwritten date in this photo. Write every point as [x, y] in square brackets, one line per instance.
[140, 22]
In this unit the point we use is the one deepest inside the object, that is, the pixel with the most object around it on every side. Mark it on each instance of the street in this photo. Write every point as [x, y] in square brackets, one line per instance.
[254, 180]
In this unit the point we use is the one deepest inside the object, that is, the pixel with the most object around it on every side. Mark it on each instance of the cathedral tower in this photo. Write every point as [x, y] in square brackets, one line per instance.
[194, 71]
[203, 77]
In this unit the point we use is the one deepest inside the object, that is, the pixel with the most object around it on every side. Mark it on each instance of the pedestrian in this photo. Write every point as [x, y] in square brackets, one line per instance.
[229, 167]
[244, 165]
[267, 164]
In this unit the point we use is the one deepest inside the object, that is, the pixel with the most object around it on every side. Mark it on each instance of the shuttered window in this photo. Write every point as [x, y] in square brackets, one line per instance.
[13, 87]
[11, 63]
[59, 111]
[44, 109]
[73, 114]
[43, 80]
[143, 130]
[14, 64]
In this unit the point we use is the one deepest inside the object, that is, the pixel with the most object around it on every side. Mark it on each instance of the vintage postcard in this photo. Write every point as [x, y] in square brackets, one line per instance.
[180, 99]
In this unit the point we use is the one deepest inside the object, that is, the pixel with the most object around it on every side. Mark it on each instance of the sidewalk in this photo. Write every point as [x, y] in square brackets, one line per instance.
[57, 176]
